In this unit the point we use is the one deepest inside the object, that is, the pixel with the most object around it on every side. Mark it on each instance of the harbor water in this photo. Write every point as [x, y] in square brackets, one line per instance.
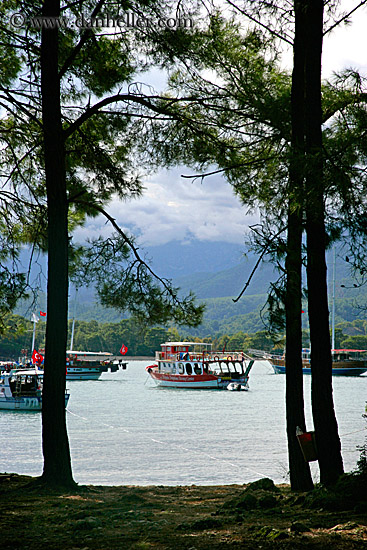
[123, 430]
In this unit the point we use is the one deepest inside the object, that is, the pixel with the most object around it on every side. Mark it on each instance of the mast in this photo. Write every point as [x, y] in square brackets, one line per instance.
[35, 321]
[73, 325]
[333, 308]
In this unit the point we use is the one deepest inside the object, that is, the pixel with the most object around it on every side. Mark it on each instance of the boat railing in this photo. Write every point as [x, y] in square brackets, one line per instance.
[260, 354]
[228, 356]
[204, 356]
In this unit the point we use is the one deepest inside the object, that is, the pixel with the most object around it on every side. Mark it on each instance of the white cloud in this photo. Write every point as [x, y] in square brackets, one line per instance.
[176, 208]
[345, 46]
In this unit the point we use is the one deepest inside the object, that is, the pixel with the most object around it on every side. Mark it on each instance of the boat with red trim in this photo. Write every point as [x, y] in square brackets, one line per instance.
[196, 365]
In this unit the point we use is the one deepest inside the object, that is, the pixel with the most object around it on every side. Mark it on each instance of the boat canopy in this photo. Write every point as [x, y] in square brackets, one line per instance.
[175, 344]
[347, 350]
[88, 353]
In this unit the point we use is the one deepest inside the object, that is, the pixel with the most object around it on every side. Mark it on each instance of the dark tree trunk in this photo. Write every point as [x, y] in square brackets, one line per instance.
[326, 428]
[300, 476]
[56, 453]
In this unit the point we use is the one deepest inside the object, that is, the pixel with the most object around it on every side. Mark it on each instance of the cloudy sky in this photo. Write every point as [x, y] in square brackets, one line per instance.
[177, 208]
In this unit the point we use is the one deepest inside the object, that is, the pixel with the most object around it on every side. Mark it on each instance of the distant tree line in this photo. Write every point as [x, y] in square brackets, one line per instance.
[140, 340]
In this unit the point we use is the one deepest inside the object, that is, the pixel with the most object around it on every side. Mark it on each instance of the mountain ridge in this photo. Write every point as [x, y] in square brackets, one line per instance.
[217, 287]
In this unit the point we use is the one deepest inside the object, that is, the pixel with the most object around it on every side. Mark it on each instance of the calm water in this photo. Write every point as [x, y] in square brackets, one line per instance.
[125, 430]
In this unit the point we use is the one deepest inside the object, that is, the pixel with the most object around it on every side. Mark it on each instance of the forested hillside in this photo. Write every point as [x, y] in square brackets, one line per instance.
[93, 336]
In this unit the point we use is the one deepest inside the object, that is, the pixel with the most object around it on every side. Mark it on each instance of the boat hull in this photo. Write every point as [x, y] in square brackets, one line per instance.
[190, 382]
[200, 381]
[83, 373]
[24, 403]
[337, 371]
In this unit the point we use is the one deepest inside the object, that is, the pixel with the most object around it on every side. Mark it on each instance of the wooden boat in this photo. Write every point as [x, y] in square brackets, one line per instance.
[345, 362]
[195, 365]
[21, 390]
[89, 365]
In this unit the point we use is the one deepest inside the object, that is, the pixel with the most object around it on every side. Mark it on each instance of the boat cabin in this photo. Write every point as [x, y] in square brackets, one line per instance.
[348, 354]
[183, 351]
[182, 368]
[26, 383]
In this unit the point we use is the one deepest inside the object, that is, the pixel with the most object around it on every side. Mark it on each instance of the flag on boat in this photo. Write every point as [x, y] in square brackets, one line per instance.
[36, 357]
[43, 314]
[35, 319]
[123, 349]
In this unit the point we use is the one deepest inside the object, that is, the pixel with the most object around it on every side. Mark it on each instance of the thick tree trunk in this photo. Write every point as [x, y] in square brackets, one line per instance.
[327, 438]
[56, 453]
[300, 476]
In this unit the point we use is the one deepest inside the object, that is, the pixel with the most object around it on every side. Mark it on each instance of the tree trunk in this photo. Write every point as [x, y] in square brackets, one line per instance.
[300, 475]
[326, 429]
[56, 453]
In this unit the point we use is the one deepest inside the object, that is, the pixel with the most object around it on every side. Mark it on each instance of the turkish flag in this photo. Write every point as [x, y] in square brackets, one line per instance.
[123, 349]
[42, 314]
[37, 357]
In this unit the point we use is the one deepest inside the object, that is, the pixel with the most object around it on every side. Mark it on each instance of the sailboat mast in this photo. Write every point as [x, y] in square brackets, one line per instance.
[34, 334]
[73, 325]
[333, 309]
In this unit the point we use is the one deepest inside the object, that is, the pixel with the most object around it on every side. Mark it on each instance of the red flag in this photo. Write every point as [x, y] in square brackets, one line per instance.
[42, 314]
[37, 358]
[123, 349]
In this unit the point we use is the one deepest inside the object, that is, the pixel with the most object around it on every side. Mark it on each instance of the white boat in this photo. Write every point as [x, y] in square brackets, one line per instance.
[21, 390]
[89, 365]
[235, 386]
[195, 365]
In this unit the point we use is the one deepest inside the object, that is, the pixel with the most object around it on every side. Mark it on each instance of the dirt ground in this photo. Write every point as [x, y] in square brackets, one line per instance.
[157, 517]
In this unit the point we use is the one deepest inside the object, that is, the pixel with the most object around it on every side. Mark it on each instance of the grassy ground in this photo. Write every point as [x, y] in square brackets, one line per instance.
[259, 515]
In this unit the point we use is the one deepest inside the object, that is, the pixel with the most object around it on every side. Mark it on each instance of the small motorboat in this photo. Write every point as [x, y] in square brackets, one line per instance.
[194, 365]
[234, 386]
[21, 390]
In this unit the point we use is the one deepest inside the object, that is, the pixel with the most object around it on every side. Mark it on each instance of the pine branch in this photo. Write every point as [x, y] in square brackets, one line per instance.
[345, 17]
[258, 263]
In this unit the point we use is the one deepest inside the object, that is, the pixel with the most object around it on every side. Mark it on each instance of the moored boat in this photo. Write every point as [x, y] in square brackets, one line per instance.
[345, 362]
[21, 390]
[194, 365]
[89, 365]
